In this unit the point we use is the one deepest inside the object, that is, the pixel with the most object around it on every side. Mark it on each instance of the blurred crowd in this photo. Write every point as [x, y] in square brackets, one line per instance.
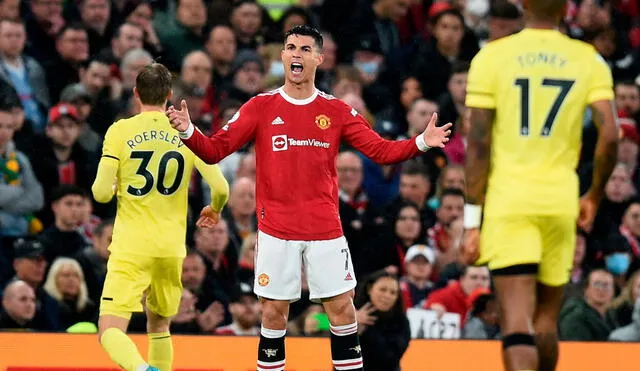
[67, 69]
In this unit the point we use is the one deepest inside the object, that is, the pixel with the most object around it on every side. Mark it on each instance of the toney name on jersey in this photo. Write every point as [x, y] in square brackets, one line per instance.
[160, 135]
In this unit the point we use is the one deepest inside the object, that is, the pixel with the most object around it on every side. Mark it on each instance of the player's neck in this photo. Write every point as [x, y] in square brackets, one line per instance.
[541, 24]
[299, 91]
[149, 108]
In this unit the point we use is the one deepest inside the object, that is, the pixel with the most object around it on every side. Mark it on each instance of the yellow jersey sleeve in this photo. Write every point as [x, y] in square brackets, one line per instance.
[481, 87]
[600, 81]
[217, 182]
[103, 187]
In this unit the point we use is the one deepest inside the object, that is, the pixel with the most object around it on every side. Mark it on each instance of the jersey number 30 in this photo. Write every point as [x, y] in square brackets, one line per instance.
[145, 157]
[564, 88]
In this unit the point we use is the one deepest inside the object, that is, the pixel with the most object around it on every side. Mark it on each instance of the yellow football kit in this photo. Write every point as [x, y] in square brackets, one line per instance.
[539, 82]
[149, 169]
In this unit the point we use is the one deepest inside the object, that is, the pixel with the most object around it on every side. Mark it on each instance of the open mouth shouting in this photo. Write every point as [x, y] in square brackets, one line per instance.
[296, 69]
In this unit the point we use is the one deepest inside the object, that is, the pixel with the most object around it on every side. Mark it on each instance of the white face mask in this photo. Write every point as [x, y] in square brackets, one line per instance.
[478, 8]
[276, 69]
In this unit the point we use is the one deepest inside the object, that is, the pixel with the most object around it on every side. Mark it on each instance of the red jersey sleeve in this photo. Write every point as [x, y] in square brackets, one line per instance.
[358, 132]
[239, 130]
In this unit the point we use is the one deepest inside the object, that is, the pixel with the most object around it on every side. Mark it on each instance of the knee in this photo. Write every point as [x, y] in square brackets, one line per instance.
[341, 311]
[274, 316]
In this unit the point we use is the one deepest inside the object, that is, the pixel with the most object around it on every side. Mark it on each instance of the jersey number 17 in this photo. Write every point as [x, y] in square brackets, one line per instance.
[564, 88]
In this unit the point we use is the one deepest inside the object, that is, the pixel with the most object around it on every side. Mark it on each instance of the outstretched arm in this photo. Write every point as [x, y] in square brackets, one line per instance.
[239, 130]
[217, 183]
[359, 134]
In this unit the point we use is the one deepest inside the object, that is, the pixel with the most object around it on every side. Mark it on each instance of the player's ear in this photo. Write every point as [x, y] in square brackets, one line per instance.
[320, 58]
[135, 93]
[170, 95]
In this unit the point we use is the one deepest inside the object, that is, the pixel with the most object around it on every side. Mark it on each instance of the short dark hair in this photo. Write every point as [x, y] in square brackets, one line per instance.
[460, 67]
[454, 12]
[153, 84]
[306, 30]
[414, 167]
[65, 190]
[504, 9]
[451, 192]
[76, 26]
[104, 223]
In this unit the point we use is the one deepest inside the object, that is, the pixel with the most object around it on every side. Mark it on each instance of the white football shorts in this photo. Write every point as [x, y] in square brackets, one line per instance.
[279, 263]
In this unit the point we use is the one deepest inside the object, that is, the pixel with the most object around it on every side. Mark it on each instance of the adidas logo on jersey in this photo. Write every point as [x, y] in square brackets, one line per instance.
[277, 121]
[348, 277]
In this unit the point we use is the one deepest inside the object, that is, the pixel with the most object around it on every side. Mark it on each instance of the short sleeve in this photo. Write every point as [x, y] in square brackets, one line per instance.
[480, 81]
[112, 144]
[600, 81]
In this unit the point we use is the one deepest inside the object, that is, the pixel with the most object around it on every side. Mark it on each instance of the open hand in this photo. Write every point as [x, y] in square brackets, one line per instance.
[180, 119]
[436, 136]
[208, 218]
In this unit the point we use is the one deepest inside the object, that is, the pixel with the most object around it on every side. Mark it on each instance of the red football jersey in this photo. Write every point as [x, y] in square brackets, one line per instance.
[296, 144]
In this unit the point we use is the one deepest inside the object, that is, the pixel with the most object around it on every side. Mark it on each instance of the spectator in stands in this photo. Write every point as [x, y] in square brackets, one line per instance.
[628, 149]
[618, 259]
[30, 266]
[630, 227]
[140, 13]
[630, 332]
[65, 283]
[247, 167]
[446, 235]
[382, 325]
[621, 309]
[93, 259]
[618, 191]
[18, 307]
[96, 16]
[415, 187]
[43, 21]
[357, 215]
[62, 238]
[132, 62]
[419, 112]
[451, 103]
[248, 72]
[457, 146]
[326, 70]
[627, 98]
[72, 46]
[246, 271]
[454, 297]
[245, 311]
[59, 158]
[23, 72]
[10, 9]
[221, 47]
[186, 320]
[388, 252]
[580, 269]
[247, 24]
[197, 70]
[183, 33]
[194, 278]
[483, 322]
[584, 319]
[23, 131]
[433, 64]
[240, 212]
[416, 285]
[20, 192]
[451, 177]
[127, 36]
[78, 96]
[504, 20]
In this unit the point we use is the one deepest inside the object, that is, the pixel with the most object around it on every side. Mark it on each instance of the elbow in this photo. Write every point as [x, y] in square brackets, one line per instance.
[101, 195]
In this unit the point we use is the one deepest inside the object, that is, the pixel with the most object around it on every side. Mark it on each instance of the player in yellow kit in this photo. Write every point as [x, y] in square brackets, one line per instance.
[528, 94]
[149, 168]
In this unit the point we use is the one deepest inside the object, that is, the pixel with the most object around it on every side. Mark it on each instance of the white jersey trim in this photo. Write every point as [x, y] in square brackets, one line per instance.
[298, 102]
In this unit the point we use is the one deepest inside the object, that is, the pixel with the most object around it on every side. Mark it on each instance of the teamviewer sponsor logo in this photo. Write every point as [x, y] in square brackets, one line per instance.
[282, 143]
[279, 143]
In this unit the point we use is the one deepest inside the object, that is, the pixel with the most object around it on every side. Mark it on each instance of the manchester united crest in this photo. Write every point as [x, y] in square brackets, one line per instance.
[323, 122]
[263, 280]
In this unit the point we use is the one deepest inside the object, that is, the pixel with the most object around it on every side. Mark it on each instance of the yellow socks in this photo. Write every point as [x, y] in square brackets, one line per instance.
[161, 351]
[122, 350]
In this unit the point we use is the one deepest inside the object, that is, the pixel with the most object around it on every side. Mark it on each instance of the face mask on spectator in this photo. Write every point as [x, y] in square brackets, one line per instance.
[370, 68]
[618, 263]
[276, 69]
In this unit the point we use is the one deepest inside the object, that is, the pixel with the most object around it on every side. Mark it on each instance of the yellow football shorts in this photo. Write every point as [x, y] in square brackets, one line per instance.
[129, 277]
[549, 241]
